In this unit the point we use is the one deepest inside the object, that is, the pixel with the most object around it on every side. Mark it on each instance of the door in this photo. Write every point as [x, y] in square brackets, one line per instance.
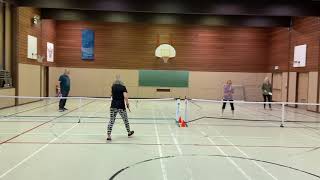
[277, 87]
[292, 89]
[45, 81]
[303, 84]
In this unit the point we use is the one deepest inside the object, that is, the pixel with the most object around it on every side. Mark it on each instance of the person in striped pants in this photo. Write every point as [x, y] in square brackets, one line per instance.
[118, 105]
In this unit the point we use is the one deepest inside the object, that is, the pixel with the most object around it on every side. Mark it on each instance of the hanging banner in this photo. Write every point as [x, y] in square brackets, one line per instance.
[87, 48]
[50, 51]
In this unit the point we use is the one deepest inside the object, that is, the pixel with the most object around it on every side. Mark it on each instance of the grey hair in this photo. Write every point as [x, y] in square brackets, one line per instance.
[66, 71]
[118, 81]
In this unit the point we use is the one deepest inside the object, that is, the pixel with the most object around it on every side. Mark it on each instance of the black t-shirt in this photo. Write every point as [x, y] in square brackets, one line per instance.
[117, 96]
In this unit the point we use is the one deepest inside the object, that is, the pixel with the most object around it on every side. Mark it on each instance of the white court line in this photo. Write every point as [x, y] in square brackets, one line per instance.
[293, 130]
[175, 140]
[92, 113]
[302, 133]
[246, 155]
[12, 116]
[227, 156]
[36, 152]
[307, 135]
[163, 168]
[50, 121]
[172, 135]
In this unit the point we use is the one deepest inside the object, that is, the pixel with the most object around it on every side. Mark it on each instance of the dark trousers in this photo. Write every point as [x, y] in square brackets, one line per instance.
[62, 102]
[265, 97]
[231, 104]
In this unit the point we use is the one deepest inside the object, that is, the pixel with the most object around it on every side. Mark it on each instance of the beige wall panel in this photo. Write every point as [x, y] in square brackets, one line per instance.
[204, 85]
[133, 91]
[277, 81]
[292, 86]
[54, 73]
[209, 85]
[1, 36]
[284, 87]
[29, 82]
[313, 90]
[205, 93]
[8, 38]
[277, 87]
[93, 82]
[303, 87]
[148, 92]
[253, 93]
[276, 95]
[151, 92]
[7, 102]
[179, 92]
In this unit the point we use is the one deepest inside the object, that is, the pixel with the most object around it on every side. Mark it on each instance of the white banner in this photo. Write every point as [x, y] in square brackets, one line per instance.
[50, 51]
[300, 56]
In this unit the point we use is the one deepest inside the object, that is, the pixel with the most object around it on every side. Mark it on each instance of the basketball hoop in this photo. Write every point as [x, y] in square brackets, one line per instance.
[165, 52]
[40, 58]
[165, 59]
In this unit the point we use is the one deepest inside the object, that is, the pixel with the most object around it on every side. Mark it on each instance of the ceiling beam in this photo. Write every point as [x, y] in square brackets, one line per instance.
[212, 7]
[156, 18]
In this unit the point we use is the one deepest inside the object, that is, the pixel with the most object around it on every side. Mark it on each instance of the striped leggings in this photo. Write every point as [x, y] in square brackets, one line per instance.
[113, 115]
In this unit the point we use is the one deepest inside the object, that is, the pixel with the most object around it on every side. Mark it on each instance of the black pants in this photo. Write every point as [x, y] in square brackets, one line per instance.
[231, 104]
[265, 97]
[62, 102]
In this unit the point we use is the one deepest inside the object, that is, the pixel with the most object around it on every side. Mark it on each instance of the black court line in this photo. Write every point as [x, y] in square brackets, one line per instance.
[237, 119]
[245, 119]
[163, 144]
[301, 123]
[293, 121]
[301, 113]
[85, 122]
[46, 122]
[253, 120]
[250, 126]
[215, 155]
[90, 117]
[152, 123]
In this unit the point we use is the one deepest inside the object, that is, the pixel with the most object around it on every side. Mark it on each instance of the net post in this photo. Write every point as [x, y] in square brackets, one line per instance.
[186, 110]
[282, 114]
[80, 104]
[178, 110]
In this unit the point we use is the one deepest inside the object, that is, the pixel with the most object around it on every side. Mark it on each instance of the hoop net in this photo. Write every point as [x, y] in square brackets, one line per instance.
[165, 59]
[40, 58]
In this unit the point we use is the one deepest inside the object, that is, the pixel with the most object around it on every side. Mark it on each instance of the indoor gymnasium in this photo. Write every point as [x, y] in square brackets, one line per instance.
[159, 90]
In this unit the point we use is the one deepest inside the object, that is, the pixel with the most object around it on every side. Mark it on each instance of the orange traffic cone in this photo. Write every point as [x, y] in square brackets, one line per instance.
[180, 120]
[183, 124]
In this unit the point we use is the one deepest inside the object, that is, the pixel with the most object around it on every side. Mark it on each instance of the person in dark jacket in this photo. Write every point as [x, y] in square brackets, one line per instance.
[63, 89]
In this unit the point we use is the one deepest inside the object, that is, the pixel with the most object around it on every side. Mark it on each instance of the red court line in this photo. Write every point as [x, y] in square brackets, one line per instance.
[24, 132]
[6, 141]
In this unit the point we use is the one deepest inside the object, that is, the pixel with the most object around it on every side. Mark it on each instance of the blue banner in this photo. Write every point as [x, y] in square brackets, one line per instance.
[87, 47]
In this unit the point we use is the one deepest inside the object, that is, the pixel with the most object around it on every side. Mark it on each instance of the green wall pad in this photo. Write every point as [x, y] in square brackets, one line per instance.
[163, 78]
